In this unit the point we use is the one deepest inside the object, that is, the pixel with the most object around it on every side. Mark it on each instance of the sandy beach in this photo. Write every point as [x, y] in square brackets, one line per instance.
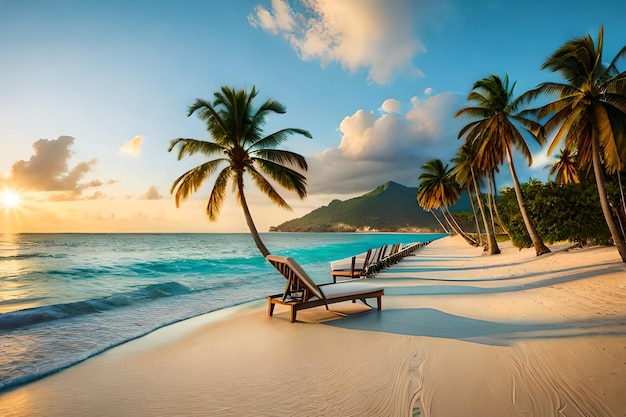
[460, 334]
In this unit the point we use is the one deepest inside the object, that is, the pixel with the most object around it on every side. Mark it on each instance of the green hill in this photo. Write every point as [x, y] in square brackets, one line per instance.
[389, 208]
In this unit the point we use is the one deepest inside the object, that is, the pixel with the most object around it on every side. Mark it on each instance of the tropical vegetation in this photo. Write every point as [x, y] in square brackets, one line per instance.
[589, 113]
[564, 212]
[588, 117]
[495, 132]
[240, 147]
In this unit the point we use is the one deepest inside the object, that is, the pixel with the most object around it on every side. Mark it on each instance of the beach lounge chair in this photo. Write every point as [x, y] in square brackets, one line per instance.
[377, 264]
[355, 267]
[302, 293]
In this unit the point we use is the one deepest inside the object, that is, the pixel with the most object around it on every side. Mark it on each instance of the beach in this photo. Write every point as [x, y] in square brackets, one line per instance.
[460, 334]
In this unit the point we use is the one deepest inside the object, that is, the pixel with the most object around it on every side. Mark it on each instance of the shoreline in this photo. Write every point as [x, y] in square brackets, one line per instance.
[460, 333]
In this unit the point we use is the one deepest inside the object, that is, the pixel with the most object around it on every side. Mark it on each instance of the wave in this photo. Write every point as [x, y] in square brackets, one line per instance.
[156, 268]
[36, 315]
[30, 256]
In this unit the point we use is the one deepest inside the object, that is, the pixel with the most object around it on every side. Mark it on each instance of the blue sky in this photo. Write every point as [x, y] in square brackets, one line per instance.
[92, 92]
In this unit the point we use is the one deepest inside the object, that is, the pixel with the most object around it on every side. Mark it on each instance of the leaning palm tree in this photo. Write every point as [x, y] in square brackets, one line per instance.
[496, 132]
[438, 189]
[463, 171]
[240, 144]
[589, 113]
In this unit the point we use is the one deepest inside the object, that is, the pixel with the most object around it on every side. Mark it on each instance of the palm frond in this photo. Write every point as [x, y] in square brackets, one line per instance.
[218, 193]
[606, 139]
[288, 178]
[276, 138]
[283, 157]
[562, 122]
[188, 147]
[191, 180]
[267, 189]
[468, 128]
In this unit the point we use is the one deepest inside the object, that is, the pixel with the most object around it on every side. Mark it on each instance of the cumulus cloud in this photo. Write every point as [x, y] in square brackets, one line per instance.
[391, 105]
[48, 169]
[133, 147]
[152, 194]
[390, 146]
[428, 91]
[357, 34]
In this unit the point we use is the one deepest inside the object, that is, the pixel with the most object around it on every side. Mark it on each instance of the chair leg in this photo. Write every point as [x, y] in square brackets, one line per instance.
[380, 303]
[293, 313]
[270, 308]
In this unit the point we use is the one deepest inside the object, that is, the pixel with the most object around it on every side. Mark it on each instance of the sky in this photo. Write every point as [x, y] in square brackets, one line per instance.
[92, 93]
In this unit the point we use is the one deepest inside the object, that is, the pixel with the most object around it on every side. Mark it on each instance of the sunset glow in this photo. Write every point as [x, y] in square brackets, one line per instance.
[10, 199]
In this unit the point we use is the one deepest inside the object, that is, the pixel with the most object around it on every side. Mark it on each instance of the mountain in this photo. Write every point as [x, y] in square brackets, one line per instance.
[391, 207]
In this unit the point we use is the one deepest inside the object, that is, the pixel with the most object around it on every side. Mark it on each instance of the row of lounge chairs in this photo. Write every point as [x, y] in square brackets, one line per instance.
[369, 263]
[301, 292]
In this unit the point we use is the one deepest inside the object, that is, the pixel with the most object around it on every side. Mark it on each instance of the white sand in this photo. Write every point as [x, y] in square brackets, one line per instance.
[461, 334]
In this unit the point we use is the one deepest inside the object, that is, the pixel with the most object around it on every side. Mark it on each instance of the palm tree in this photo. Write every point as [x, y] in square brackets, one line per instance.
[438, 189]
[589, 113]
[239, 142]
[495, 133]
[463, 172]
[564, 168]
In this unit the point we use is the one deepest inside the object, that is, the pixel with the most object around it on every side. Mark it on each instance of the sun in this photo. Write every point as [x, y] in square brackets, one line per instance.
[10, 199]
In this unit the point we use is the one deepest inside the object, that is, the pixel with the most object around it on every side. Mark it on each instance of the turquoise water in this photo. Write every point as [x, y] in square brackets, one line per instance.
[67, 297]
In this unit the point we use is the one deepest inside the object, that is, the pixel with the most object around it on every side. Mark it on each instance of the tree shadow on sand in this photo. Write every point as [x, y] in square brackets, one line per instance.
[435, 323]
[528, 282]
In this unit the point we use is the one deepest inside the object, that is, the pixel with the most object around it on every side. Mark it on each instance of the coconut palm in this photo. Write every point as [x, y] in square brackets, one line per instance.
[239, 143]
[589, 113]
[464, 173]
[564, 168]
[495, 132]
[438, 189]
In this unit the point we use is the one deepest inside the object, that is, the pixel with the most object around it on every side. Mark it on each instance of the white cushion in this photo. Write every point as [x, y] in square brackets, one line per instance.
[347, 288]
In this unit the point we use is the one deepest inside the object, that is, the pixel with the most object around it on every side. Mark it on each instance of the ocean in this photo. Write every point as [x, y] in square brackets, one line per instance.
[67, 297]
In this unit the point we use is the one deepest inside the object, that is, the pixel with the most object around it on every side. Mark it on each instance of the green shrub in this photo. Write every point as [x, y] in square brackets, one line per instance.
[560, 212]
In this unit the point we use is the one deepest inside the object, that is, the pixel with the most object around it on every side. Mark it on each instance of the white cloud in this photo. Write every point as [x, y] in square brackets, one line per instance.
[48, 169]
[357, 34]
[152, 194]
[428, 91]
[541, 159]
[393, 146]
[133, 147]
[280, 20]
[391, 105]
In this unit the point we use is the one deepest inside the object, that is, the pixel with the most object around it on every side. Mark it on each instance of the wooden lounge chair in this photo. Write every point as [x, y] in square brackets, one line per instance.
[302, 293]
[356, 267]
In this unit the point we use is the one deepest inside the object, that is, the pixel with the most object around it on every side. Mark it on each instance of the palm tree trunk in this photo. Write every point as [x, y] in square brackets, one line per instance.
[468, 238]
[478, 232]
[251, 226]
[492, 244]
[495, 207]
[439, 221]
[619, 215]
[455, 226]
[443, 213]
[490, 201]
[618, 241]
[540, 247]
